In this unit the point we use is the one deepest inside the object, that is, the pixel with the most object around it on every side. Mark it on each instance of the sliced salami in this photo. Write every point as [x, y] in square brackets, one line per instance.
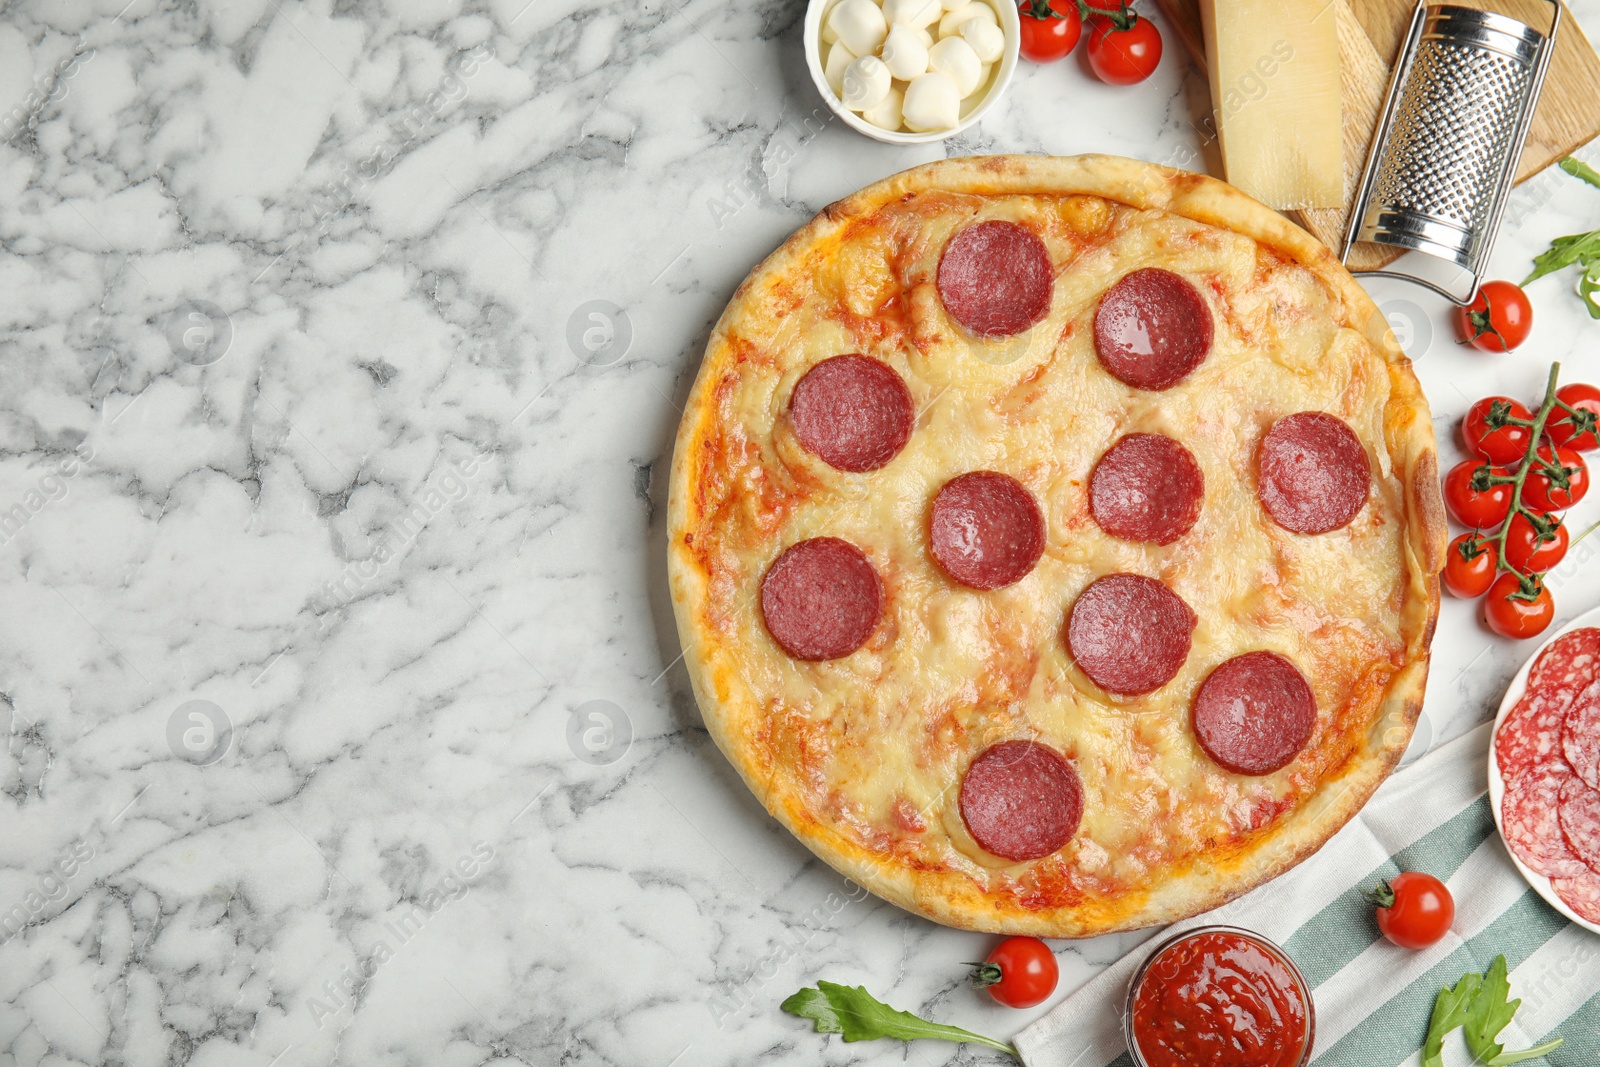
[1130, 634]
[1531, 822]
[1254, 713]
[1579, 815]
[1531, 733]
[1147, 487]
[995, 278]
[1571, 661]
[1152, 329]
[853, 412]
[1580, 735]
[1021, 800]
[821, 599]
[1314, 473]
[986, 530]
[1581, 893]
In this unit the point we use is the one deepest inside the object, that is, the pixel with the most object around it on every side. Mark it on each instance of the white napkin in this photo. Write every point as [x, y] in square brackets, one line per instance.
[1372, 998]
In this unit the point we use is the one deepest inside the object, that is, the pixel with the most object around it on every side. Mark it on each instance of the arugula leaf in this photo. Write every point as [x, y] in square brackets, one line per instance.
[1579, 169]
[1564, 252]
[1478, 1004]
[1450, 1010]
[1580, 248]
[857, 1015]
[1589, 287]
[812, 1003]
[1526, 1054]
[1491, 1012]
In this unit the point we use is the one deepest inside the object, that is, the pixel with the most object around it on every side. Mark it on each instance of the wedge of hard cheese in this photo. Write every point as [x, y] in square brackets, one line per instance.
[1274, 68]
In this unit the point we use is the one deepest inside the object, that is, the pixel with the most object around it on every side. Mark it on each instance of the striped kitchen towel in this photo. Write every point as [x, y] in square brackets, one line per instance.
[1372, 998]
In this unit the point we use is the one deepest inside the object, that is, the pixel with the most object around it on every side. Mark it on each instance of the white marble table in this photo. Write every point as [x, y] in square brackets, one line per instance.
[330, 520]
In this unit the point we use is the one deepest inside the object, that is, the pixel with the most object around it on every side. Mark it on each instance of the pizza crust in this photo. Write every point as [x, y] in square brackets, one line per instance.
[733, 715]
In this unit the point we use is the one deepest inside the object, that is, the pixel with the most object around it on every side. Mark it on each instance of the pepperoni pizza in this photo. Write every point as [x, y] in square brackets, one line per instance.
[1054, 542]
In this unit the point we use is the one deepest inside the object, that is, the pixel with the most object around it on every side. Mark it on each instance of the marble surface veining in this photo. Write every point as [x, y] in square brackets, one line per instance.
[342, 346]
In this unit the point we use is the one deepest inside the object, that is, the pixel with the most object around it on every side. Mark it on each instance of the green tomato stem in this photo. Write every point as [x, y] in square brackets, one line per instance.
[1530, 585]
[1120, 16]
[985, 974]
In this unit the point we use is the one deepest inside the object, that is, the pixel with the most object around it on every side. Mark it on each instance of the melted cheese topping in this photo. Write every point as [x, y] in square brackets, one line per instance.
[874, 745]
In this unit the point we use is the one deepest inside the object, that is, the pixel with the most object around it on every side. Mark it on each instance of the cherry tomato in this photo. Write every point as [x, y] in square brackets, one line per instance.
[1415, 910]
[1482, 509]
[1529, 551]
[1518, 607]
[1505, 444]
[1123, 57]
[1019, 973]
[1469, 566]
[1049, 29]
[1560, 427]
[1498, 319]
[1542, 493]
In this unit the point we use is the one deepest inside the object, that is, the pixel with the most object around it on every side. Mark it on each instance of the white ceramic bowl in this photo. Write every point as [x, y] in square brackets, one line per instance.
[972, 109]
[1497, 785]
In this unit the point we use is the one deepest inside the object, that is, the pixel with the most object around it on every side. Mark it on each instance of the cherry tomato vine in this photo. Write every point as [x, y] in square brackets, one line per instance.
[1122, 16]
[1122, 48]
[1541, 461]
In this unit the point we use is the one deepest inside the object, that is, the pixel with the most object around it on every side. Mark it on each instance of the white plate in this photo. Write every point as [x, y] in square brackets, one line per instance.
[1497, 785]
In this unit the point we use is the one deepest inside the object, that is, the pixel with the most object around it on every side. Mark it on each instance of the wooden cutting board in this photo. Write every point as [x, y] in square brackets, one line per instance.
[1370, 36]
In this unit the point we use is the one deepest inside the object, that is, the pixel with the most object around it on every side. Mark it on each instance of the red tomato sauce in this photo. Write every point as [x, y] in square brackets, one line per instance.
[1220, 999]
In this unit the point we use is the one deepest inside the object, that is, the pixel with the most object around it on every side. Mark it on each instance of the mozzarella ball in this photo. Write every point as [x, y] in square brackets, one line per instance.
[931, 103]
[953, 20]
[859, 24]
[866, 83]
[954, 58]
[839, 57]
[986, 39]
[951, 5]
[827, 35]
[886, 114]
[913, 13]
[904, 53]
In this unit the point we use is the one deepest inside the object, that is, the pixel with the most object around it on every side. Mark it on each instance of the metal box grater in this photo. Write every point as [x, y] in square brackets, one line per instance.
[1446, 148]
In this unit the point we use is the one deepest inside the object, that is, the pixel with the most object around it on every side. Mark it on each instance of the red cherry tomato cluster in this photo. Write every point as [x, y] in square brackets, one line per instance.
[1529, 468]
[1123, 48]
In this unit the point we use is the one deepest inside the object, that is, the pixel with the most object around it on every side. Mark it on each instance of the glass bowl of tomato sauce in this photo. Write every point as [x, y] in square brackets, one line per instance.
[1219, 996]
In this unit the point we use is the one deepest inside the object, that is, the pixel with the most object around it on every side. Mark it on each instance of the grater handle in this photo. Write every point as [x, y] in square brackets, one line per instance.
[1358, 210]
